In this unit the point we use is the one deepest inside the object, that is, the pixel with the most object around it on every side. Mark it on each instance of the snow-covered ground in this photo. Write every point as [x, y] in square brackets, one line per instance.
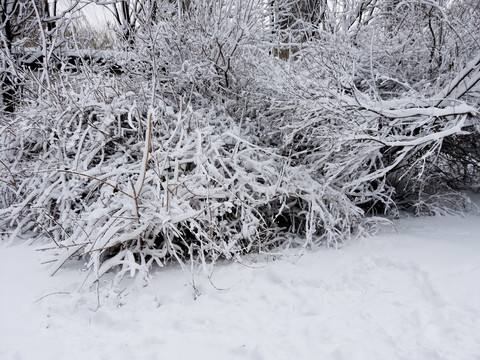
[411, 292]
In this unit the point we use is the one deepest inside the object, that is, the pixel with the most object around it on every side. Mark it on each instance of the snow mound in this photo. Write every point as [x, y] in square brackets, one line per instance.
[411, 292]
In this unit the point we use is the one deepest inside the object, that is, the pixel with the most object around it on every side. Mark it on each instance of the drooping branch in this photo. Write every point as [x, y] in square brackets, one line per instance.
[462, 83]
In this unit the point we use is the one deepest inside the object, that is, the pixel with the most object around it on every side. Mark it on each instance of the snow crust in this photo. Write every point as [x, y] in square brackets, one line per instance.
[411, 292]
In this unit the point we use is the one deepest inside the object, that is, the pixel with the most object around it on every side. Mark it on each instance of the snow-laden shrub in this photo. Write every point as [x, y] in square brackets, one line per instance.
[179, 184]
[385, 153]
[200, 142]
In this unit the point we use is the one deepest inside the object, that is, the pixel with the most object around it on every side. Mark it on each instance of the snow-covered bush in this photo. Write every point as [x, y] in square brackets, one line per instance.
[205, 139]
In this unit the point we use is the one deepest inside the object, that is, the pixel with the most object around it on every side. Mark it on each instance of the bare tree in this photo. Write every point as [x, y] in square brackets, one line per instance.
[23, 23]
[133, 14]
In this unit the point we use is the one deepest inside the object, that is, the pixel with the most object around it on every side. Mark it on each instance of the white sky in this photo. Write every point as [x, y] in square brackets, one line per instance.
[97, 15]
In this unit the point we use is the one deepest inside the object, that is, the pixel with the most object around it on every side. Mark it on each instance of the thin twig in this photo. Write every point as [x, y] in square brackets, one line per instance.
[14, 183]
[97, 179]
[54, 293]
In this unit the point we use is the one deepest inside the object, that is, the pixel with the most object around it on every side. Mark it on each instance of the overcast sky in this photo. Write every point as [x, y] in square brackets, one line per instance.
[97, 15]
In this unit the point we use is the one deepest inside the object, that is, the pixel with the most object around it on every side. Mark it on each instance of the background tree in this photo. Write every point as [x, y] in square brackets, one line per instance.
[23, 24]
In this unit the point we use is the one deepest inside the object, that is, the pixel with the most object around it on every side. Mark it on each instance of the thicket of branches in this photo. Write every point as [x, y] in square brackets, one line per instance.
[211, 129]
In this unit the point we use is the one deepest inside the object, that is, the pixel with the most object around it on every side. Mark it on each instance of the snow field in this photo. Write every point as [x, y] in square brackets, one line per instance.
[411, 292]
